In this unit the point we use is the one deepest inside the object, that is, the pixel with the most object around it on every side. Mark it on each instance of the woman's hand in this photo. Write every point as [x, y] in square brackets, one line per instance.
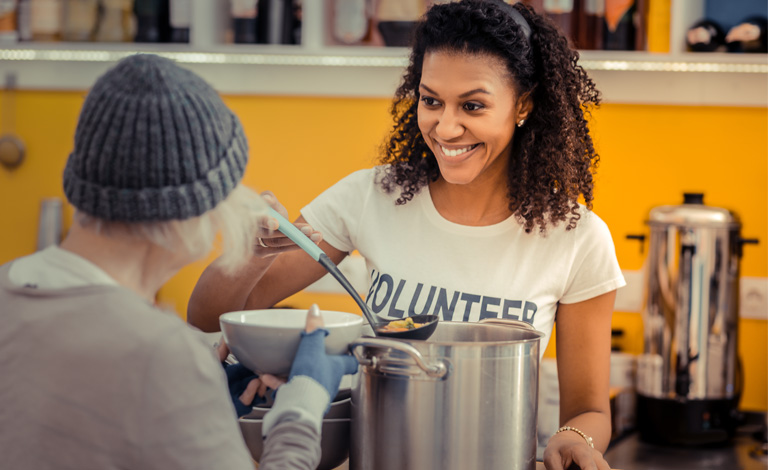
[270, 241]
[265, 280]
[583, 370]
[246, 388]
[568, 449]
[312, 361]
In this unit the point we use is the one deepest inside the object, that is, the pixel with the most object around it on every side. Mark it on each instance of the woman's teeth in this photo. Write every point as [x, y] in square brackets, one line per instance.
[457, 152]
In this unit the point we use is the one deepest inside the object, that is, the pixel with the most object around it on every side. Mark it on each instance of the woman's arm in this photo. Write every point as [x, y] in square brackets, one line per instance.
[583, 368]
[274, 273]
[290, 273]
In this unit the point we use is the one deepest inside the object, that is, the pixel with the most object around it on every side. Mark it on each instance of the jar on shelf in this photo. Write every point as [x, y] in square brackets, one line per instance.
[277, 22]
[45, 20]
[8, 29]
[621, 31]
[23, 20]
[396, 20]
[179, 19]
[151, 20]
[79, 20]
[351, 20]
[589, 25]
[115, 24]
[244, 14]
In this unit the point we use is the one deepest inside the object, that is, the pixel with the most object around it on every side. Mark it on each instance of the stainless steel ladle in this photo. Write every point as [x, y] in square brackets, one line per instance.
[292, 232]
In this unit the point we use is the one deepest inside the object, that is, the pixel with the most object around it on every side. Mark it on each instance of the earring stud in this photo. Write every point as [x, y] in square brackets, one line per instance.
[520, 123]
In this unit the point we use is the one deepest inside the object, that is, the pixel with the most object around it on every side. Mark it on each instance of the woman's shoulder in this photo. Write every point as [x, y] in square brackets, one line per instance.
[358, 178]
[591, 229]
[590, 221]
[366, 176]
[588, 224]
[362, 181]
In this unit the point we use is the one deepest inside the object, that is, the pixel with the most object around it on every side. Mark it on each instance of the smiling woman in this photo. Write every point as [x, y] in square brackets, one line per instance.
[506, 84]
[474, 210]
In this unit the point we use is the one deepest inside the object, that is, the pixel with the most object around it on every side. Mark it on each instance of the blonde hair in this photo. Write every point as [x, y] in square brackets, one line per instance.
[236, 219]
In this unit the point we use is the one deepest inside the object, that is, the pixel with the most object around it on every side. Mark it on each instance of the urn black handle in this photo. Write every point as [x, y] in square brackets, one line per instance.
[640, 238]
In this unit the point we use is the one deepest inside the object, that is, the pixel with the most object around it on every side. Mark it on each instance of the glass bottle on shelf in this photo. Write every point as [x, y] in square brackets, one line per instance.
[396, 20]
[296, 11]
[275, 22]
[79, 20]
[23, 20]
[8, 30]
[619, 33]
[244, 15]
[179, 19]
[350, 20]
[561, 12]
[151, 20]
[589, 33]
[45, 20]
[115, 22]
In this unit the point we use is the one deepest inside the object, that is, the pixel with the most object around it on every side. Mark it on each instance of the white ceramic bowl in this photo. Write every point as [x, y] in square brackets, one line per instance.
[266, 341]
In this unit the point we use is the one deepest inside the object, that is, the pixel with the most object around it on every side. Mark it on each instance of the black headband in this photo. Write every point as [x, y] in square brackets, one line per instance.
[516, 17]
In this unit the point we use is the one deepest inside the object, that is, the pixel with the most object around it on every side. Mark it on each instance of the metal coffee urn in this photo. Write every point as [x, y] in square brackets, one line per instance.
[689, 378]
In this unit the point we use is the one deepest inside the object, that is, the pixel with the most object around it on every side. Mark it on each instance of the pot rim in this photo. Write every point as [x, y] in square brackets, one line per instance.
[415, 342]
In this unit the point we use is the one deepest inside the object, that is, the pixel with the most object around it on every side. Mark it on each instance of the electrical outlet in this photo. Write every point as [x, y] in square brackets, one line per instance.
[753, 297]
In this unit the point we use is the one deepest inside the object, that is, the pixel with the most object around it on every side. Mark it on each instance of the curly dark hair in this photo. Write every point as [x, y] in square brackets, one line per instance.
[553, 157]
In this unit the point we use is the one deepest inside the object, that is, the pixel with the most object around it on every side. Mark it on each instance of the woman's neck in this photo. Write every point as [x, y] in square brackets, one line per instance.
[479, 203]
[138, 265]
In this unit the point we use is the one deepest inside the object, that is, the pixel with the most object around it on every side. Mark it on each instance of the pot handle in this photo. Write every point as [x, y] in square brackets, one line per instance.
[508, 322]
[437, 369]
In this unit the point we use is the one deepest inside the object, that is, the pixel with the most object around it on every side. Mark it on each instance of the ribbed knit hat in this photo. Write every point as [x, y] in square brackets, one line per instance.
[154, 142]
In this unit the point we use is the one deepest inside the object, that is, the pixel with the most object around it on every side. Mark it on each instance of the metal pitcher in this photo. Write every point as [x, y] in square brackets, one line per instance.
[688, 379]
[466, 398]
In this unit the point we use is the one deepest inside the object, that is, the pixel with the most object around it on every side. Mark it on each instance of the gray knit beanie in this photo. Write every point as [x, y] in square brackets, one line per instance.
[154, 142]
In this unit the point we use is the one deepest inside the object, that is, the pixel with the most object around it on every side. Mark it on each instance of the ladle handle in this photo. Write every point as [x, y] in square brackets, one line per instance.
[437, 369]
[298, 237]
[292, 232]
[336, 273]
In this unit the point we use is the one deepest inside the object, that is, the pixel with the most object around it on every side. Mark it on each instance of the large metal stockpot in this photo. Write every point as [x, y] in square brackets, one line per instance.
[466, 398]
[688, 380]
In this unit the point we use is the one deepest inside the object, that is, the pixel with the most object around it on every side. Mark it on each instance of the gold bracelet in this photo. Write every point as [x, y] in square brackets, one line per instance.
[579, 432]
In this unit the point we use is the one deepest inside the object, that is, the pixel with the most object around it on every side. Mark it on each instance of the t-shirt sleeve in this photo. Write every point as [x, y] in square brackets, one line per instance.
[595, 268]
[337, 210]
[187, 420]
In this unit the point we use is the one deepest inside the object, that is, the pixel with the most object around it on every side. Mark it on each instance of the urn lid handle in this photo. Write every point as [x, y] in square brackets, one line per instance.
[693, 198]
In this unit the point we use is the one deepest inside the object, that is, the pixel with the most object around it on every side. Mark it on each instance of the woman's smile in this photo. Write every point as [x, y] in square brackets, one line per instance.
[457, 154]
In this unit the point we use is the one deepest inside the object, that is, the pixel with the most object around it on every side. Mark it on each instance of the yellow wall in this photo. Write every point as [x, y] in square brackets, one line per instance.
[299, 146]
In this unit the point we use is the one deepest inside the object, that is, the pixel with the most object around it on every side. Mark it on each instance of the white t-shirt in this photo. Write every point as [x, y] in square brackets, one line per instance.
[419, 262]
